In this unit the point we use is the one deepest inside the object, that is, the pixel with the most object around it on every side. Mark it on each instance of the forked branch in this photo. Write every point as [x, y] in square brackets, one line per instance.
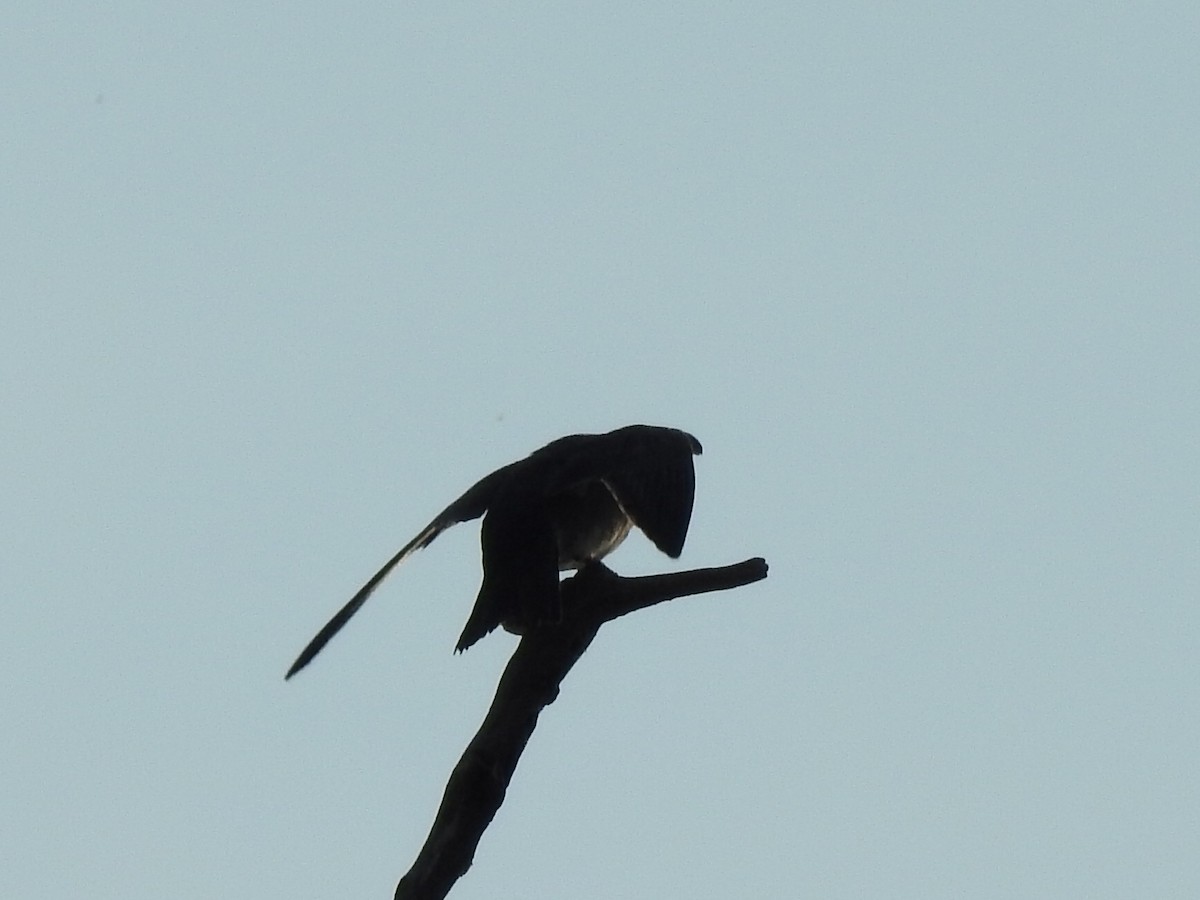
[530, 682]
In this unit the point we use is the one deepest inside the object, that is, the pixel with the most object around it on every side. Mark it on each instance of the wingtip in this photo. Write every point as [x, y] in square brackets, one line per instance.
[673, 551]
[470, 636]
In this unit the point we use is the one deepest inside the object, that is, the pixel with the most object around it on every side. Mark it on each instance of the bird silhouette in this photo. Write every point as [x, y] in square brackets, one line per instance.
[562, 507]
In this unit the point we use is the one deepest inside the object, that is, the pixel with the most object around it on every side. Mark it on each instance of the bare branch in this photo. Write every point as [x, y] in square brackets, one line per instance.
[531, 682]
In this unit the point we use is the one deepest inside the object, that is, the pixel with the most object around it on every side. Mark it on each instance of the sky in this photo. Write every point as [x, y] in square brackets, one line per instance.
[280, 282]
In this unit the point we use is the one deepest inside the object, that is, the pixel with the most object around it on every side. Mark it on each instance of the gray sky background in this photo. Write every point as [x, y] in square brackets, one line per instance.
[280, 281]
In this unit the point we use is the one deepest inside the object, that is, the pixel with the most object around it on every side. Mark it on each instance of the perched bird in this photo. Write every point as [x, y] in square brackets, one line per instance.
[563, 506]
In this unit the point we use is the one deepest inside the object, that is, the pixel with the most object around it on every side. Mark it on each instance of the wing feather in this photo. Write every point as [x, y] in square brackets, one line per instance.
[471, 505]
[520, 565]
[654, 480]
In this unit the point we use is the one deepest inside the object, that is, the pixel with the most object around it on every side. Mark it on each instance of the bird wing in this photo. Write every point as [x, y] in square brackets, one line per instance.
[652, 476]
[520, 564]
[470, 505]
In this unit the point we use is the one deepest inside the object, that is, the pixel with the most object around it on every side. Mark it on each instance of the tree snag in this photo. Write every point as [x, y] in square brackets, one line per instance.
[530, 682]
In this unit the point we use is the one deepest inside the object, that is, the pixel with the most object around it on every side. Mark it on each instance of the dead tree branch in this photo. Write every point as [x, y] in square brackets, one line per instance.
[530, 682]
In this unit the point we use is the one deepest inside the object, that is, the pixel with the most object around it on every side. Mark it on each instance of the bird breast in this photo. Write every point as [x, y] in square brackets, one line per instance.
[588, 523]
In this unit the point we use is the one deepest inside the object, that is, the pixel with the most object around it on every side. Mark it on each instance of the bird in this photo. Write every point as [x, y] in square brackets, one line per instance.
[565, 506]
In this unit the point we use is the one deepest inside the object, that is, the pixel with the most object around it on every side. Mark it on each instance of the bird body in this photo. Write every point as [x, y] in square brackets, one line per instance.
[565, 505]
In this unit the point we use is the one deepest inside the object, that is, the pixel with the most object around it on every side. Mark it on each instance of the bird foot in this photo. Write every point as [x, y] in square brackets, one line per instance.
[594, 570]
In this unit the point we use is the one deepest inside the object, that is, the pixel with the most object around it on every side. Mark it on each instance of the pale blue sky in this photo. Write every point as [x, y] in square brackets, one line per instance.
[280, 281]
